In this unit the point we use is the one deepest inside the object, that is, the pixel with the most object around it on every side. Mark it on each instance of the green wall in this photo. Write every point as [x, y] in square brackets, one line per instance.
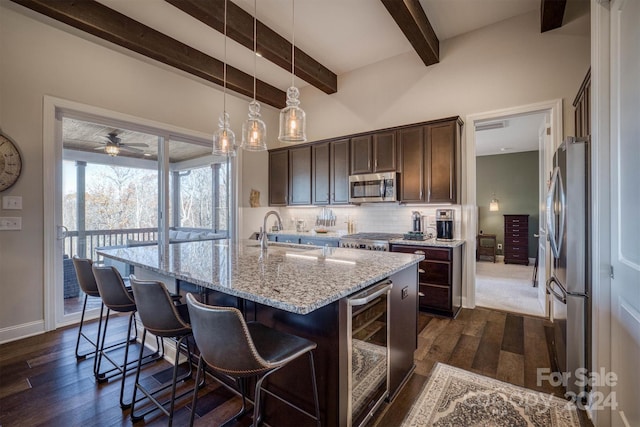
[514, 180]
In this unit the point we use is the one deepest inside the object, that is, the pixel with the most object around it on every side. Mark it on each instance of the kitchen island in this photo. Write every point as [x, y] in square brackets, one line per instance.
[302, 290]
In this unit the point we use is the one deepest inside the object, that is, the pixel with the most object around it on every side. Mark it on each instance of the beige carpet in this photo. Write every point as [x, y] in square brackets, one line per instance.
[507, 287]
[455, 397]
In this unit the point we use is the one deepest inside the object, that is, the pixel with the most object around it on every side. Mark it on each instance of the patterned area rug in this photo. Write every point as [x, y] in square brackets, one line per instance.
[455, 397]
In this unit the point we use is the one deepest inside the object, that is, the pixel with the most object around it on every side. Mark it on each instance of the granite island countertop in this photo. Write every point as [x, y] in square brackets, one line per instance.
[429, 242]
[295, 278]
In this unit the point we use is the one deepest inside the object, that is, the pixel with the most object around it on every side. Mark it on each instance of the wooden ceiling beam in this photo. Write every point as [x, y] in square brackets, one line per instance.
[270, 44]
[108, 24]
[415, 25]
[551, 14]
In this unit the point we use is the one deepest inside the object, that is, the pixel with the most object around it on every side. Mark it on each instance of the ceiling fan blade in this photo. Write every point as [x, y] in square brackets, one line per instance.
[131, 149]
[136, 144]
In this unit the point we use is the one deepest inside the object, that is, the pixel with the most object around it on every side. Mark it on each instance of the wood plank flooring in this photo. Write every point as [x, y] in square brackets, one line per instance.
[42, 384]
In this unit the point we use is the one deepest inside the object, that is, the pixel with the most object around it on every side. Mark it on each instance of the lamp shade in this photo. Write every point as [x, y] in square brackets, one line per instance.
[494, 205]
[254, 130]
[293, 121]
[224, 140]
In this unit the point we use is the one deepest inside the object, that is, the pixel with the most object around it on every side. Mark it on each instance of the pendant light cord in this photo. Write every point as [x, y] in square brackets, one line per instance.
[293, 41]
[224, 65]
[255, 44]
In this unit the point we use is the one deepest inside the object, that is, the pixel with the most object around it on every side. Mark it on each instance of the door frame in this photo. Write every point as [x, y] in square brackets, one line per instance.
[469, 200]
[53, 110]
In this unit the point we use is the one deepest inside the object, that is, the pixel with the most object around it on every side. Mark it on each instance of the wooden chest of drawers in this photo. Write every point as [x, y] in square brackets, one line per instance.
[516, 239]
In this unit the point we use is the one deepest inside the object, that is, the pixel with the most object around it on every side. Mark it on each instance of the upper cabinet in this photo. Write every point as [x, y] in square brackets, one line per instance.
[430, 162]
[427, 156]
[278, 177]
[300, 175]
[373, 153]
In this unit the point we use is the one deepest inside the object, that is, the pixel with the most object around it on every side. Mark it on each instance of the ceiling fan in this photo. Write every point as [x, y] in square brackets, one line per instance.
[114, 144]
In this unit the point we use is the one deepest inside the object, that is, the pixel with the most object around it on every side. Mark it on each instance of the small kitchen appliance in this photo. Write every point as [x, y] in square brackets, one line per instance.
[444, 224]
[416, 218]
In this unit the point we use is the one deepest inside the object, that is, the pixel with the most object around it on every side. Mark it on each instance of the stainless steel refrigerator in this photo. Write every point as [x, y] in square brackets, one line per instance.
[568, 227]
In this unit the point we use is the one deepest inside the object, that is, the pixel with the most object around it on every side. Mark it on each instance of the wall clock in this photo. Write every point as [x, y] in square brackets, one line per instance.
[10, 163]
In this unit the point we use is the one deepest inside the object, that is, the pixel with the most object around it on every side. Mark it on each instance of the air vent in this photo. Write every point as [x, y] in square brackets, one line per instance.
[491, 125]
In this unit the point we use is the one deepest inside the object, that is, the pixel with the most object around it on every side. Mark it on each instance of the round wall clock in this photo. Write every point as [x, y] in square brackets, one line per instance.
[10, 163]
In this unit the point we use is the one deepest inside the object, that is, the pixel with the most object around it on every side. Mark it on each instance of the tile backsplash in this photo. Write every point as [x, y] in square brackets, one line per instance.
[374, 217]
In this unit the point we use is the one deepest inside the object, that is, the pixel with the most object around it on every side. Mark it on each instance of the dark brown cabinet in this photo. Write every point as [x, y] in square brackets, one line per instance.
[429, 162]
[373, 153]
[582, 108]
[439, 278]
[278, 177]
[300, 175]
[330, 173]
[516, 239]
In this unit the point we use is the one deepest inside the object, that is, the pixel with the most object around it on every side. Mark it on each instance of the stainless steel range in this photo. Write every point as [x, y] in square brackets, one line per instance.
[368, 241]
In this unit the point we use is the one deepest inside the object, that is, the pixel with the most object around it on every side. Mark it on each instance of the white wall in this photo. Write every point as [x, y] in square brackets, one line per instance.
[505, 65]
[38, 59]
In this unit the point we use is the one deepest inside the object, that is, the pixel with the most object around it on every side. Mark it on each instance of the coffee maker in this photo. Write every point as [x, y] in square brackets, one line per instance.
[444, 224]
[416, 218]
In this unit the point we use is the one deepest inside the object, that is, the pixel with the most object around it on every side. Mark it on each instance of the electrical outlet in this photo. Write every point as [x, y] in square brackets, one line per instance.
[499, 246]
[11, 223]
[405, 292]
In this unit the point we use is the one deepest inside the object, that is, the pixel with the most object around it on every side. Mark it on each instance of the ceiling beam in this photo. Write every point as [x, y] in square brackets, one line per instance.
[270, 44]
[108, 24]
[415, 25]
[551, 14]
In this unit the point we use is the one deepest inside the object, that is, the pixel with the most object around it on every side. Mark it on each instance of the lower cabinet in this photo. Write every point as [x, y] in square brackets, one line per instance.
[439, 278]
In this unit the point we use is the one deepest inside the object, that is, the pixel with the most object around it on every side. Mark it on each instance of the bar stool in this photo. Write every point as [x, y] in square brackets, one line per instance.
[117, 297]
[231, 346]
[160, 316]
[88, 285]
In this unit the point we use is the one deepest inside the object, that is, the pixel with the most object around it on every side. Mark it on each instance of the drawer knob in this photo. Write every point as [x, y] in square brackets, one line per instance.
[421, 271]
[420, 294]
[419, 252]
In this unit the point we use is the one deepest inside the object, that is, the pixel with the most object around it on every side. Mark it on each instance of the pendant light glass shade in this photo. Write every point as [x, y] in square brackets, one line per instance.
[254, 131]
[494, 205]
[111, 149]
[224, 140]
[293, 120]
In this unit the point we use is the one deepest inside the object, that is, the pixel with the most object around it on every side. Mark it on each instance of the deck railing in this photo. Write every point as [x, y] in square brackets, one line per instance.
[84, 243]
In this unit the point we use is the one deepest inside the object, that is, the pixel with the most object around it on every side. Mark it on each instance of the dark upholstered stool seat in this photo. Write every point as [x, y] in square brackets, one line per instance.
[230, 345]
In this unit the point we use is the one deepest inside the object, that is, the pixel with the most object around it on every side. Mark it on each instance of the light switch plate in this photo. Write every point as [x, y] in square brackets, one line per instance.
[12, 202]
[10, 223]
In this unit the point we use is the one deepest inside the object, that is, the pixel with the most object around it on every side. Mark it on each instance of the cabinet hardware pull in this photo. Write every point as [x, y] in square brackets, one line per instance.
[419, 252]
[421, 271]
[420, 294]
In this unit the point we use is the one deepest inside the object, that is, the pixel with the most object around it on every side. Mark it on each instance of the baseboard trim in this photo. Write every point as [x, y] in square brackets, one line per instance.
[17, 332]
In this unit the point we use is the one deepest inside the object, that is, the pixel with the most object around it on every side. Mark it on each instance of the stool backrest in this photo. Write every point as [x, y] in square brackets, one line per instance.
[112, 289]
[86, 280]
[156, 309]
[223, 339]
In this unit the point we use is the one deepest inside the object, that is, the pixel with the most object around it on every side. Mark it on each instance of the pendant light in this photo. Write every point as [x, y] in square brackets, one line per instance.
[293, 122]
[494, 205]
[224, 140]
[254, 131]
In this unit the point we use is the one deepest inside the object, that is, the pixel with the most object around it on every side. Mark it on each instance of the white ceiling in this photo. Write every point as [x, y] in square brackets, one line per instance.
[519, 134]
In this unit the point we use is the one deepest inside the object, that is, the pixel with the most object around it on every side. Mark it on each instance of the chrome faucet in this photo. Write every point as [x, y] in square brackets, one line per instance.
[263, 236]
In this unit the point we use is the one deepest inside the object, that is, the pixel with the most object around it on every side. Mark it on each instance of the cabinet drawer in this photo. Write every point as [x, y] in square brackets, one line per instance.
[435, 272]
[439, 254]
[516, 256]
[516, 241]
[517, 234]
[434, 297]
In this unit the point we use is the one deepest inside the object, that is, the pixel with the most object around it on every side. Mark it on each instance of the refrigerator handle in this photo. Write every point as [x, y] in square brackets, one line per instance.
[556, 246]
[562, 297]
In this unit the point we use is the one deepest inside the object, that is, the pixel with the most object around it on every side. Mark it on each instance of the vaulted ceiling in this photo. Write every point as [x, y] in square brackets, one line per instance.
[332, 37]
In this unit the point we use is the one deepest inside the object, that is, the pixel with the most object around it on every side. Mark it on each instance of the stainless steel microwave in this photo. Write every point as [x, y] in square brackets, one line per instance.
[373, 187]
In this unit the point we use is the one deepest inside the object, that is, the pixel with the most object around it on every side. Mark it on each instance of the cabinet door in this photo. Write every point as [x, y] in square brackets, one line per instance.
[411, 143]
[278, 177]
[441, 163]
[339, 166]
[384, 152]
[300, 176]
[361, 154]
[320, 170]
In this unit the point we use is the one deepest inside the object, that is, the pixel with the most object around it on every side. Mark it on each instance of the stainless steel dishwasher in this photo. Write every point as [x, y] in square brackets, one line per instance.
[368, 351]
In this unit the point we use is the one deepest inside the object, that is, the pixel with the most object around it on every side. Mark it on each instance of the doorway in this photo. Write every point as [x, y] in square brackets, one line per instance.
[496, 285]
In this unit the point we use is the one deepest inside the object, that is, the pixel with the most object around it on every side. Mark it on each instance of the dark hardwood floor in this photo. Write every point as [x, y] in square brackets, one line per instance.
[42, 384]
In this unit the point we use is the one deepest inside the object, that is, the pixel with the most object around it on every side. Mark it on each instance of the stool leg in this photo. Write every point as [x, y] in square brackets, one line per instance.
[98, 362]
[195, 392]
[315, 388]
[134, 418]
[124, 364]
[84, 308]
